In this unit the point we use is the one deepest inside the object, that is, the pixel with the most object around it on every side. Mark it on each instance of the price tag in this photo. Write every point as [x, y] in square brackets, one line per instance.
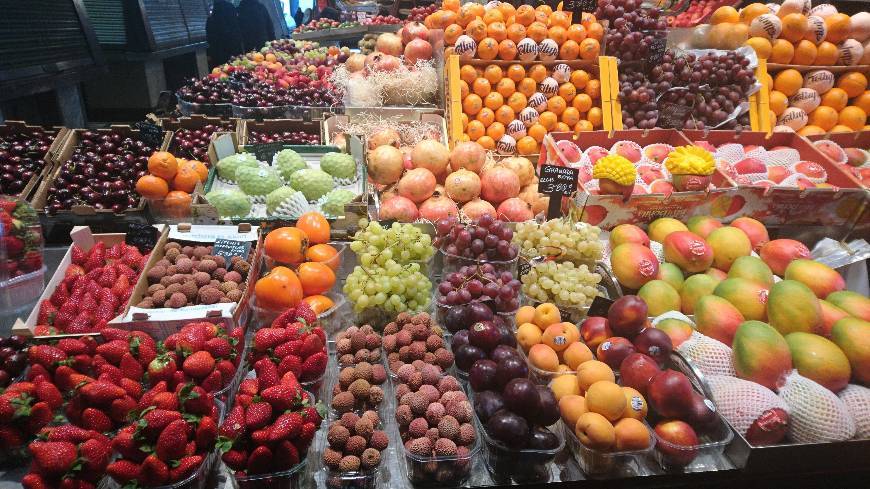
[672, 115]
[150, 133]
[578, 8]
[228, 248]
[599, 307]
[656, 51]
[142, 236]
[223, 146]
[557, 182]
[265, 152]
[524, 267]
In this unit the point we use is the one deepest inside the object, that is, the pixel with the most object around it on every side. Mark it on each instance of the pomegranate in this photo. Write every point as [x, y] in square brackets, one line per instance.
[389, 43]
[462, 185]
[384, 137]
[468, 155]
[416, 50]
[385, 164]
[476, 208]
[430, 155]
[437, 207]
[530, 195]
[417, 184]
[382, 62]
[398, 208]
[515, 209]
[355, 62]
[406, 157]
[522, 167]
[499, 184]
[414, 30]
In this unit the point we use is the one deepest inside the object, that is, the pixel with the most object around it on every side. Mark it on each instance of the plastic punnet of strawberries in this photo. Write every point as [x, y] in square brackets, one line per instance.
[20, 238]
[200, 352]
[294, 343]
[67, 456]
[25, 408]
[95, 288]
[271, 424]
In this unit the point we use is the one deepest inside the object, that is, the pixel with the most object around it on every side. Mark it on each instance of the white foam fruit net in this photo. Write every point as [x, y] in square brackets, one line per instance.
[742, 402]
[857, 401]
[817, 414]
[728, 155]
[710, 356]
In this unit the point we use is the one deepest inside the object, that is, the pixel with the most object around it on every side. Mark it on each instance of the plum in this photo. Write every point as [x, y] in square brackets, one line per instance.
[511, 368]
[521, 396]
[508, 428]
[487, 403]
[484, 335]
[466, 355]
[482, 375]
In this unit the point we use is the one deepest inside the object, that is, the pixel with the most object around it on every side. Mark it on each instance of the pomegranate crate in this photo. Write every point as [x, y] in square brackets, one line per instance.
[607, 211]
[57, 134]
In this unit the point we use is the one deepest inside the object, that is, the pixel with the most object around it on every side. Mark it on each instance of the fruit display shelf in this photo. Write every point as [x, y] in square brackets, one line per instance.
[327, 35]
[20, 151]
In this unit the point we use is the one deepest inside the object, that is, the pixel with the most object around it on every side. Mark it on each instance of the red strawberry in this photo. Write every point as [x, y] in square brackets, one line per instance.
[95, 454]
[34, 481]
[40, 415]
[258, 415]
[116, 251]
[185, 467]
[72, 346]
[108, 277]
[199, 364]
[260, 460]
[124, 471]
[195, 399]
[290, 363]
[285, 318]
[158, 419]
[105, 311]
[133, 258]
[267, 373]
[206, 433]
[234, 425]
[80, 324]
[287, 426]
[113, 351]
[283, 396]
[45, 355]
[292, 347]
[48, 392]
[47, 312]
[306, 434]
[161, 369]
[94, 419]
[130, 367]
[306, 314]
[60, 295]
[214, 382]
[109, 373]
[286, 455]
[154, 472]
[70, 433]
[311, 345]
[10, 437]
[63, 318]
[120, 409]
[78, 255]
[65, 378]
[172, 440]
[312, 415]
[111, 334]
[314, 366]
[267, 338]
[101, 393]
[166, 400]
[218, 347]
[96, 257]
[226, 368]
[250, 387]
[235, 459]
[125, 271]
[126, 446]
[53, 458]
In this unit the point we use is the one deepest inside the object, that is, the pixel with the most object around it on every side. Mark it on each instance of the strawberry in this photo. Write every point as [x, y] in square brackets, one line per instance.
[156, 420]
[311, 344]
[47, 312]
[70, 433]
[195, 399]
[305, 314]
[10, 437]
[290, 363]
[95, 454]
[306, 434]
[120, 409]
[40, 415]
[60, 295]
[53, 458]
[250, 387]
[101, 393]
[292, 347]
[233, 426]
[94, 419]
[126, 446]
[96, 257]
[186, 466]
[214, 382]
[282, 396]
[285, 318]
[311, 414]
[89, 303]
[109, 373]
[206, 433]
[258, 415]
[286, 456]
[147, 352]
[63, 318]
[133, 258]
[65, 378]
[267, 338]
[154, 472]
[238, 334]
[314, 366]
[116, 251]
[108, 277]
[72, 346]
[166, 400]
[130, 367]
[78, 255]
[267, 373]
[287, 426]
[161, 369]
[260, 460]
[235, 459]
[124, 471]
[172, 441]
[45, 355]
[218, 347]
[34, 481]
[129, 274]
[226, 368]
[80, 324]
[113, 351]
[48, 392]
[199, 364]
[111, 334]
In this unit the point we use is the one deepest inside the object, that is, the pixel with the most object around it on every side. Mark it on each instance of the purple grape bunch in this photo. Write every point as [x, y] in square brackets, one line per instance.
[480, 283]
[631, 29]
[485, 239]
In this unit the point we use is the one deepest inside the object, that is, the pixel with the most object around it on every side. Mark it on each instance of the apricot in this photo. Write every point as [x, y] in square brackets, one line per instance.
[607, 399]
[631, 434]
[595, 431]
[528, 335]
[556, 337]
[577, 353]
[544, 358]
[571, 408]
[525, 314]
[635, 405]
[571, 331]
[547, 314]
[591, 372]
[564, 385]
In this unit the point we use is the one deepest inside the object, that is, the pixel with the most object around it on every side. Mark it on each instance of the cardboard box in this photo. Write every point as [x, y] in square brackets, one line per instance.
[272, 126]
[81, 236]
[607, 211]
[193, 122]
[61, 133]
[161, 322]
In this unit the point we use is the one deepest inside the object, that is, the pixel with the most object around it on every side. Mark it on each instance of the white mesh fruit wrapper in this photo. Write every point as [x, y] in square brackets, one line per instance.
[732, 152]
[815, 167]
[658, 250]
[710, 356]
[841, 158]
[295, 205]
[781, 157]
[742, 402]
[857, 401]
[817, 414]
[752, 178]
[758, 152]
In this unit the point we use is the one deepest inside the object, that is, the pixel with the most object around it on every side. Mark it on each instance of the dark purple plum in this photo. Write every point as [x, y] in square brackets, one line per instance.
[543, 439]
[486, 404]
[482, 375]
[655, 343]
[457, 318]
[484, 335]
[547, 412]
[508, 428]
[466, 355]
[479, 312]
[511, 368]
[459, 338]
[521, 396]
[503, 351]
[507, 337]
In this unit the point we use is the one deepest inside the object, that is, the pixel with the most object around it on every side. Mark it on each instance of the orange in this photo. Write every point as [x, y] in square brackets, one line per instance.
[538, 73]
[543, 11]
[788, 81]
[486, 116]
[472, 104]
[468, 74]
[162, 164]
[579, 78]
[595, 117]
[752, 11]
[463, 89]
[839, 27]
[782, 51]
[556, 105]
[286, 244]
[487, 142]
[559, 18]
[583, 125]
[493, 74]
[475, 130]
[507, 10]
[497, 31]
[810, 130]
[804, 53]
[505, 114]
[794, 26]
[562, 127]
[571, 116]
[185, 179]
[487, 48]
[452, 33]
[315, 226]
[525, 15]
[494, 100]
[527, 145]
[852, 117]
[548, 120]
[537, 31]
[152, 187]
[445, 18]
[863, 101]
[537, 131]
[841, 128]
[506, 87]
[495, 131]
[465, 16]
[316, 278]
[725, 14]
[761, 46]
[481, 87]
[587, 19]
[476, 29]
[835, 98]
[198, 167]
[576, 33]
[569, 50]
[582, 103]
[558, 34]
[853, 82]
[567, 91]
[593, 89]
[464, 119]
[279, 289]
[493, 15]
[527, 86]
[824, 117]
[826, 54]
[507, 50]
[450, 5]
[778, 102]
[589, 49]
[516, 32]
[323, 253]
[594, 31]
[517, 101]
[516, 72]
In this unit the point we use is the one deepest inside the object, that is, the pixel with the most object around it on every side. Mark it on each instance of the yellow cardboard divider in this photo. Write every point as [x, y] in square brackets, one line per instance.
[454, 101]
[759, 102]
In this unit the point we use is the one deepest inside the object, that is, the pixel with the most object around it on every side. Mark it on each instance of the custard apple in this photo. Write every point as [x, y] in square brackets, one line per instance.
[288, 162]
[229, 202]
[335, 201]
[258, 180]
[227, 167]
[278, 197]
[339, 165]
[313, 183]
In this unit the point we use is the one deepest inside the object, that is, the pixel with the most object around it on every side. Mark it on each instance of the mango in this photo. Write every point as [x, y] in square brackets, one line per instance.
[852, 335]
[678, 331]
[688, 251]
[671, 274]
[820, 278]
[719, 275]
[761, 354]
[852, 302]
[660, 297]
[628, 233]
[729, 244]
[749, 297]
[755, 230]
[703, 225]
[780, 252]
[792, 307]
[751, 268]
[830, 315]
[694, 288]
[660, 228]
[717, 318]
[634, 265]
[819, 359]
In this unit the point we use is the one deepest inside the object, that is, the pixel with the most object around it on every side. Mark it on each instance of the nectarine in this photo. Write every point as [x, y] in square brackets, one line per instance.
[591, 372]
[575, 354]
[543, 357]
[631, 434]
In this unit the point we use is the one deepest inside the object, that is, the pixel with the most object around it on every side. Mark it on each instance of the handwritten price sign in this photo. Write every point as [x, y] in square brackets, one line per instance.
[557, 182]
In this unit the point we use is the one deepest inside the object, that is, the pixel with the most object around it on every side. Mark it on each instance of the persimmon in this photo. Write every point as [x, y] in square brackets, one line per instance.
[279, 289]
[316, 278]
[185, 179]
[152, 187]
[315, 226]
[323, 253]
[162, 164]
[286, 244]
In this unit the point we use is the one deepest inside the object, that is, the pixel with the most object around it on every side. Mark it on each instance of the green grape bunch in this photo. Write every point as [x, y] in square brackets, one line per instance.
[576, 242]
[392, 287]
[400, 243]
[563, 284]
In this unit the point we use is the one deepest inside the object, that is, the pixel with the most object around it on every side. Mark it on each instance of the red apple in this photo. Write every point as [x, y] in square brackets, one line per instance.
[655, 343]
[677, 442]
[613, 351]
[637, 371]
[627, 316]
[595, 330]
[702, 414]
[670, 394]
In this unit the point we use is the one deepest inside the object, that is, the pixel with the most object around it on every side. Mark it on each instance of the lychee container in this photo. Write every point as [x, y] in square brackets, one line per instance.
[360, 479]
[440, 471]
[452, 263]
[521, 466]
[360, 407]
[286, 479]
[600, 464]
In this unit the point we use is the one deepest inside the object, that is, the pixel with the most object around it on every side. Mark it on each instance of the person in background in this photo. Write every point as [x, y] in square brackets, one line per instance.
[255, 24]
[223, 33]
[298, 17]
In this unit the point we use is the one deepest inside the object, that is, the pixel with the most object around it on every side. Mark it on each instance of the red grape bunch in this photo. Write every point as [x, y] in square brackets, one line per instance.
[485, 239]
